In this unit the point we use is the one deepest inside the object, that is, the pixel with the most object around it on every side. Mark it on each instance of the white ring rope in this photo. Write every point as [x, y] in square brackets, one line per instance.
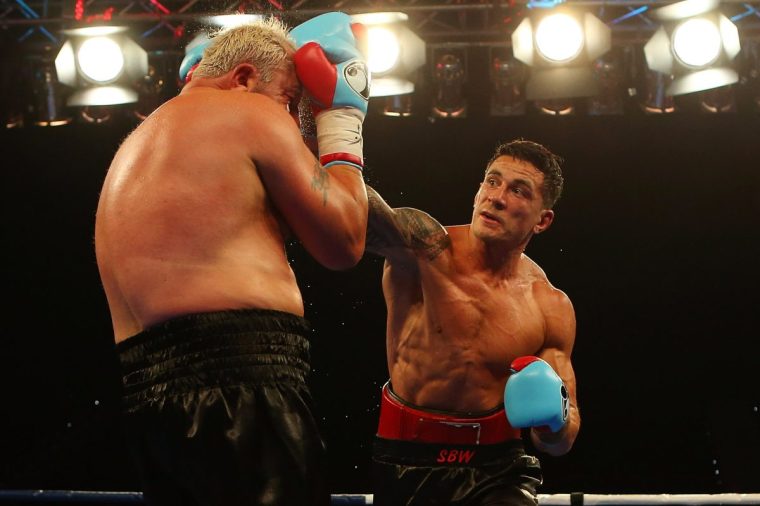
[574, 499]
[648, 499]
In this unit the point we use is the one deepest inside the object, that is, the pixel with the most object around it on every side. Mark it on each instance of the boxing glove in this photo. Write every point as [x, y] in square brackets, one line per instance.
[535, 395]
[336, 80]
[193, 56]
[340, 41]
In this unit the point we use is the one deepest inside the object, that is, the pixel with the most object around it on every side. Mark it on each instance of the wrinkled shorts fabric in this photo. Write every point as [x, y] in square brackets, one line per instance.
[217, 411]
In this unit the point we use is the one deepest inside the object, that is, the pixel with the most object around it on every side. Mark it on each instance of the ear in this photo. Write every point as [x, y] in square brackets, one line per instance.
[547, 217]
[477, 195]
[245, 77]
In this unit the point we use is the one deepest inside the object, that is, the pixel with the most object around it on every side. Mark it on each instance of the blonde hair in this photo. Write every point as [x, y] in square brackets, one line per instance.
[263, 43]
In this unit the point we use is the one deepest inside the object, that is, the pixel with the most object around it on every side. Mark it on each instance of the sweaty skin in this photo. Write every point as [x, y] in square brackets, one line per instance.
[464, 301]
[200, 197]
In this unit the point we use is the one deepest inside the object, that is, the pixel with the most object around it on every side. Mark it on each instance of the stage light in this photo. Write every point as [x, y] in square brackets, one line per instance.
[394, 52]
[718, 100]
[153, 88]
[508, 77]
[47, 108]
[610, 75]
[384, 49]
[559, 45]
[559, 37]
[102, 64]
[100, 59]
[449, 76]
[398, 105]
[225, 21]
[654, 98]
[695, 44]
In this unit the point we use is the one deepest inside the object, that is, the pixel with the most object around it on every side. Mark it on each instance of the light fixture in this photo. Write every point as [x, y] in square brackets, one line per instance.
[695, 44]
[102, 64]
[653, 98]
[750, 88]
[13, 88]
[398, 105]
[508, 77]
[559, 45]
[153, 89]
[718, 100]
[395, 52]
[449, 76]
[225, 21]
[47, 108]
[609, 72]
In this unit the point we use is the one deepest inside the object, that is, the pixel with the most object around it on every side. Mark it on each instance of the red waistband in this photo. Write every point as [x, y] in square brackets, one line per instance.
[399, 421]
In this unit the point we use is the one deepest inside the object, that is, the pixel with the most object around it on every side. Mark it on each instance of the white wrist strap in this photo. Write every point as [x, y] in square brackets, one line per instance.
[339, 136]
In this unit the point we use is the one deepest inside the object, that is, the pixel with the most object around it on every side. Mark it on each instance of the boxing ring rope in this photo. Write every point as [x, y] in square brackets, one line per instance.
[574, 499]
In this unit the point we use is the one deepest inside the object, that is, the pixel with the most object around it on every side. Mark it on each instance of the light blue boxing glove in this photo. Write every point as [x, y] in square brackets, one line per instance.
[332, 37]
[336, 79]
[193, 56]
[535, 395]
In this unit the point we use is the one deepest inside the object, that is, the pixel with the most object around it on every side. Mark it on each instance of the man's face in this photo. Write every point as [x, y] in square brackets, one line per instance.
[283, 88]
[509, 204]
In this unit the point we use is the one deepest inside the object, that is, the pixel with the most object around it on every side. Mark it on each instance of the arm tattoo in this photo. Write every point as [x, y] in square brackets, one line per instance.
[320, 182]
[425, 233]
[403, 228]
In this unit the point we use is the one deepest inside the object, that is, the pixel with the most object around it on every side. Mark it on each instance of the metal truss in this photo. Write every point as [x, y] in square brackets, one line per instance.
[166, 23]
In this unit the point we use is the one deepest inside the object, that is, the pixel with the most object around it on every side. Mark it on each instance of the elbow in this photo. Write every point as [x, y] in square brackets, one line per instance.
[346, 255]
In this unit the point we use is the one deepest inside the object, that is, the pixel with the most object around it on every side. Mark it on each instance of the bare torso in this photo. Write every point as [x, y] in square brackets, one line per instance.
[453, 331]
[184, 223]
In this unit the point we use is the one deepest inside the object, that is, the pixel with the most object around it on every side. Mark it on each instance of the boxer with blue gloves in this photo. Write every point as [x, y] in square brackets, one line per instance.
[478, 341]
[336, 79]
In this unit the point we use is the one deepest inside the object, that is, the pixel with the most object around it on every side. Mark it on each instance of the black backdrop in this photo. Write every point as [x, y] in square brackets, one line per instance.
[655, 241]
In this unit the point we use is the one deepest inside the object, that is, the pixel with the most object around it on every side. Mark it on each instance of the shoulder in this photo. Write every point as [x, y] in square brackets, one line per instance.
[546, 294]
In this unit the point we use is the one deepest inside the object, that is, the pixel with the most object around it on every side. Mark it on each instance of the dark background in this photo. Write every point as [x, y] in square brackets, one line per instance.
[655, 241]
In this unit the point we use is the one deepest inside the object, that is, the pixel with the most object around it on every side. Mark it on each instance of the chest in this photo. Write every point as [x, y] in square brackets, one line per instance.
[502, 318]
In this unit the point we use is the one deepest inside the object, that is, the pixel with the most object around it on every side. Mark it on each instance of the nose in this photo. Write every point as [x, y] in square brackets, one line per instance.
[496, 198]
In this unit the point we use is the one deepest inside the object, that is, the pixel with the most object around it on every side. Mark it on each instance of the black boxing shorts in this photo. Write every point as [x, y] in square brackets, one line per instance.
[217, 411]
[425, 457]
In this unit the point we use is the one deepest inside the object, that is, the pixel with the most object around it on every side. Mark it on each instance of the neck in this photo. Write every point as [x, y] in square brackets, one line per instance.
[217, 83]
[501, 259]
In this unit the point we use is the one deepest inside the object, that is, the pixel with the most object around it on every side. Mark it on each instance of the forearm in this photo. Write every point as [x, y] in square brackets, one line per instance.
[346, 216]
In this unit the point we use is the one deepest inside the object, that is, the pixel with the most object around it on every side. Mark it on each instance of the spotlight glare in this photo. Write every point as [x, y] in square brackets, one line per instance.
[100, 59]
[226, 21]
[559, 37]
[696, 42]
[384, 49]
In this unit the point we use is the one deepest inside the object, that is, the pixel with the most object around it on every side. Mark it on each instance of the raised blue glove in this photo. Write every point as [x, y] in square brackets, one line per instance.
[332, 40]
[335, 77]
[193, 56]
[535, 395]
[339, 38]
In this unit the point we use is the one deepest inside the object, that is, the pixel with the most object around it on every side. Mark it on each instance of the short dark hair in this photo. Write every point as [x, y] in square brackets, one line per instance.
[542, 159]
